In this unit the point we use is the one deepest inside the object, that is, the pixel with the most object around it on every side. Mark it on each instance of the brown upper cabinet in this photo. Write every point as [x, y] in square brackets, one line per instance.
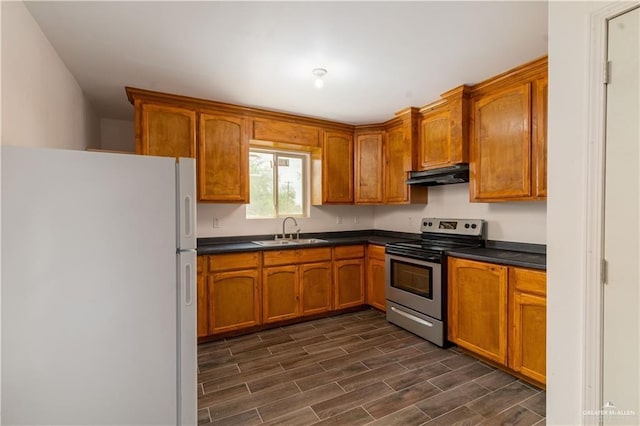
[540, 134]
[401, 136]
[444, 130]
[337, 168]
[166, 131]
[384, 156]
[286, 132]
[173, 126]
[369, 165]
[499, 126]
[223, 158]
[508, 135]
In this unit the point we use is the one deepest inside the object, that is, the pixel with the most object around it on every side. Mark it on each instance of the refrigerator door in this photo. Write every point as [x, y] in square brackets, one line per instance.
[187, 374]
[186, 200]
[89, 294]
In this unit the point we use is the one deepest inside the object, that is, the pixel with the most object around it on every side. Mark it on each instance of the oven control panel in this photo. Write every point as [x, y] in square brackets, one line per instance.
[473, 227]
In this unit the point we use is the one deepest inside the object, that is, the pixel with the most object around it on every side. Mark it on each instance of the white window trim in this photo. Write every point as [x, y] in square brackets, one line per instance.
[306, 179]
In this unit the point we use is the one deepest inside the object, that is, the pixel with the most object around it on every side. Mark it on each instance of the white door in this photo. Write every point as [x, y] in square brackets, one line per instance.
[621, 354]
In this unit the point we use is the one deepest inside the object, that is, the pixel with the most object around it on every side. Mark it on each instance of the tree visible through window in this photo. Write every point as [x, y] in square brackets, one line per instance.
[278, 184]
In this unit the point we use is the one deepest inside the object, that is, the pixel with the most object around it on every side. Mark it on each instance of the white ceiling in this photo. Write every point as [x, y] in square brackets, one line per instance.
[381, 56]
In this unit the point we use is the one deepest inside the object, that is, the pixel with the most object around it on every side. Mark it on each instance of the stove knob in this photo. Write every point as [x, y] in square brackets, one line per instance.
[474, 226]
[425, 223]
[466, 225]
[430, 223]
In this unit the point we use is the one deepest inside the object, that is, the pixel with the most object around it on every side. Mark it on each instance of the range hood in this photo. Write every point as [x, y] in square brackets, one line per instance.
[442, 176]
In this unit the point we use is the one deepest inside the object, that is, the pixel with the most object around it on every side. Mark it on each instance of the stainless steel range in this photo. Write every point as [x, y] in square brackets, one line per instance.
[416, 275]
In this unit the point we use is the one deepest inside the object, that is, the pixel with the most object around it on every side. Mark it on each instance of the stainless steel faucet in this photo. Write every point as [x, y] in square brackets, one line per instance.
[284, 223]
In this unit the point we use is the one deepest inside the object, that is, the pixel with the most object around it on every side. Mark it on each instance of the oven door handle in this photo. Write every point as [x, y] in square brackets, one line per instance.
[411, 317]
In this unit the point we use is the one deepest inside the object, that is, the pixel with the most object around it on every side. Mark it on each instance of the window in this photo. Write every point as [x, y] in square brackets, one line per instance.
[278, 183]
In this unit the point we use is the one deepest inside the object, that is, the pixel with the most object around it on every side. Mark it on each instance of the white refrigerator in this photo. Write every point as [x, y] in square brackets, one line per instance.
[98, 289]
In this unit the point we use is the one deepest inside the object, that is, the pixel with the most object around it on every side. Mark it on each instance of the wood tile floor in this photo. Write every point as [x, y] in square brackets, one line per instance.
[354, 369]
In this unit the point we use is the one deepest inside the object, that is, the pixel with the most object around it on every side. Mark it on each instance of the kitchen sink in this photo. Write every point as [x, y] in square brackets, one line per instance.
[310, 241]
[269, 243]
[288, 242]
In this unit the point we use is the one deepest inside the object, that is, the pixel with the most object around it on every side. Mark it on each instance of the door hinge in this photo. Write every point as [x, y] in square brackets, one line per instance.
[606, 72]
[604, 271]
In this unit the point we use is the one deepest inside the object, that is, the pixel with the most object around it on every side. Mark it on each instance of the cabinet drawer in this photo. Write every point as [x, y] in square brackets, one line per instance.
[348, 252]
[289, 257]
[528, 280]
[376, 252]
[281, 131]
[229, 262]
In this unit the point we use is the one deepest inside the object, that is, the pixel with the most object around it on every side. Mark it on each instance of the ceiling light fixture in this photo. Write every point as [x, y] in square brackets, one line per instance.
[319, 73]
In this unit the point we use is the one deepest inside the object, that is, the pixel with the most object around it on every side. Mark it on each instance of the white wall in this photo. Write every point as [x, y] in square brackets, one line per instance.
[567, 134]
[117, 135]
[42, 102]
[516, 221]
[232, 221]
[512, 221]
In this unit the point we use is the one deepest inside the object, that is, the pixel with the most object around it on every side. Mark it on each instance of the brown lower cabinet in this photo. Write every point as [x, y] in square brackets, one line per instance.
[228, 280]
[376, 277]
[239, 291]
[528, 315]
[315, 288]
[295, 283]
[348, 276]
[281, 293]
[499, 313]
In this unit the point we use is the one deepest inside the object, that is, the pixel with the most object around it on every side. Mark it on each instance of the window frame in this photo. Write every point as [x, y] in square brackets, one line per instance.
[306, 190]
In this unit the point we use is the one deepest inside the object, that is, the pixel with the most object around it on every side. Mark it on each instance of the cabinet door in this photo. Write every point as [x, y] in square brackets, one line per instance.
[203, 297]
[435, 139]
[234, 300]
[529, 335]
[398, 163]
[281, 131]
[315, 288]
[376, 284]
[337, 168]
[540, 132]
[281, 293]
[478, 308]
[369, 168]
[348, 283]
[528, 322]
[501, 145]
[223, 159]
[165, 131]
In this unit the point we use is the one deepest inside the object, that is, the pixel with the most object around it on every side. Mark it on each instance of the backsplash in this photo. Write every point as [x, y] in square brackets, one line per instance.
[521, 221]
[514, 221]
[231, 220]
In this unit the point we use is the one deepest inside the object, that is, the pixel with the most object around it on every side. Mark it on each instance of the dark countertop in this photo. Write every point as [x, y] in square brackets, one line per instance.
[507, 253]
[242, 244]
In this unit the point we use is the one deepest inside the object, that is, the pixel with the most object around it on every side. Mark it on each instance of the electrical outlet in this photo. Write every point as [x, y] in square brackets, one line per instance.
[339, 220]
[216, 222]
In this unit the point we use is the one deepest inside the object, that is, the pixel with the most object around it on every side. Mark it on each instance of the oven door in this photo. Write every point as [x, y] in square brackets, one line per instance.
[416, 284]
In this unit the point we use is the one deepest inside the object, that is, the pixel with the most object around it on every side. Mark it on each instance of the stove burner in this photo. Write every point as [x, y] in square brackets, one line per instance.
[439, 236]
